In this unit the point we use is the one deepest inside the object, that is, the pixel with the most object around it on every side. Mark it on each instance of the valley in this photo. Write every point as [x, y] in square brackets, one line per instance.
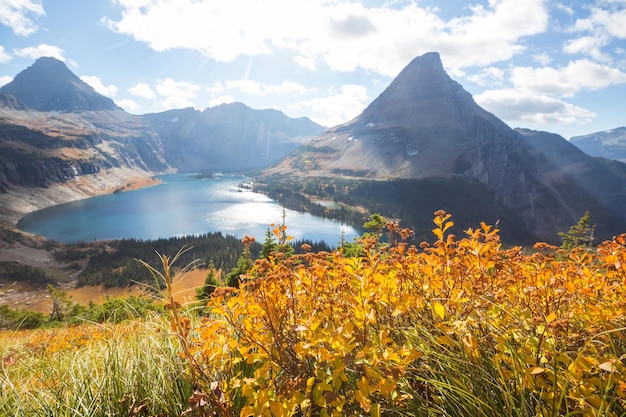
[421, 146]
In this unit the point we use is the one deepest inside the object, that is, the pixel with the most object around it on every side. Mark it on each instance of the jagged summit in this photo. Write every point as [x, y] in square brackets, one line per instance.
[48, 85]
[424, 95]
[426, 125]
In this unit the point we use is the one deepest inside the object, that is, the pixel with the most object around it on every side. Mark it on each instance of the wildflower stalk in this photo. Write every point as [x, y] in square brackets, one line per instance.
[180, 325]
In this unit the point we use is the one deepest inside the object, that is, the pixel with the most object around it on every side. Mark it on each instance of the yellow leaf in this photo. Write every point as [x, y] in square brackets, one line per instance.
[278, 408]
[375, 410]
[364, 386]
[363, 401]
[246, 411]
[608, 366]
[247, 390]
[470, 341]
[386, 386]
[317, 396]
[445, 340]
[551, 317]
[440, 310]
[537, 370]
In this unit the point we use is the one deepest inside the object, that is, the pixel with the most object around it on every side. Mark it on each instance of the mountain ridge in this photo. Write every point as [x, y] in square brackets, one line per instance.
[60, 140]
[609, 144]
[209, 139]
[426, 125]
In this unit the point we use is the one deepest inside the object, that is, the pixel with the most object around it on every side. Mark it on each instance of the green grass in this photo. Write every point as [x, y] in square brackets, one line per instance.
[130, 369]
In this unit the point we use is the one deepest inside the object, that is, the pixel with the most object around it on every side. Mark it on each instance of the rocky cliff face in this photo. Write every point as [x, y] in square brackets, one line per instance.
[577, 182]
[610, 144]
[38, 149]
[426, 125]
[60, 140]
[54, 128]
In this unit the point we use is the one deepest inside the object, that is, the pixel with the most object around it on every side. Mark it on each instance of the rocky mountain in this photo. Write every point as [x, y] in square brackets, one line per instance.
[425, 125]
[60, 140]
[49, 158]
[229, 136]
[54, 127]
[48, 85]
[610, 144]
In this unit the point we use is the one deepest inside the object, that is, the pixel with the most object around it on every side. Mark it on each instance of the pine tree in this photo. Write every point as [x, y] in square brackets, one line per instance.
[210, 284]
[579, 235]
[269, 245]
[244, 264]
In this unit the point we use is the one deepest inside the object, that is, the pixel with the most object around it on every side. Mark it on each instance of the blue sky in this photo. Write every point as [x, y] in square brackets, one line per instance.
[558, 66]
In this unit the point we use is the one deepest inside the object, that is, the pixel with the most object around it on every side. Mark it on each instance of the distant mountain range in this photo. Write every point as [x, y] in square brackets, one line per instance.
[55, 129]
[426, 125]
[610, 144]
[229, 136]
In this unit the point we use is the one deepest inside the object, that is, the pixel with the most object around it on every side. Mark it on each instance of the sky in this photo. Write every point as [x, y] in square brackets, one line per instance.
[556, 66]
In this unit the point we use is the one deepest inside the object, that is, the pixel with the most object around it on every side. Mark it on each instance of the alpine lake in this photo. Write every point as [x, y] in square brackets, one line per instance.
[182, 204]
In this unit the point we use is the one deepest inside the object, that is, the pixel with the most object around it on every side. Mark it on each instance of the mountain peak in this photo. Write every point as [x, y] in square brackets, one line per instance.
[424, 96]
[48, 85]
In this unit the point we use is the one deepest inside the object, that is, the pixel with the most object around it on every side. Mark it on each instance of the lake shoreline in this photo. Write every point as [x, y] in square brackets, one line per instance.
[182, 205]
[20, 201]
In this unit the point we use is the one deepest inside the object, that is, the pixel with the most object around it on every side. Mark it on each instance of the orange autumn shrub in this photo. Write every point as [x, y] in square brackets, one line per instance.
[435, 329]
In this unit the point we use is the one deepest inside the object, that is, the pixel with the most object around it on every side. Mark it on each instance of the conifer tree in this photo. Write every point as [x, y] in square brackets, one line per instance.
[210, 284]
[244, 264]
[269, 245]
[579, 235]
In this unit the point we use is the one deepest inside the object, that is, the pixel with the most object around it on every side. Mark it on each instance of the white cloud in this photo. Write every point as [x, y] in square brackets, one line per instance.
[177, 94]
[225, 99]
[16, 14]
[245, 86]
[40, 50]
[5, 80]
[587, 45]
[351, 26]
[494, 34]
[566, 9]
[523, 107]
[257, 88]
[337, 108]
[128, 105]
[566, 81]
[219, 29]
[288, 87]
[543, 59]
[4, 57]
[96, 83]
[606, 21]
[610, 19]
[341, 34]
[488, 77]
[142, 90]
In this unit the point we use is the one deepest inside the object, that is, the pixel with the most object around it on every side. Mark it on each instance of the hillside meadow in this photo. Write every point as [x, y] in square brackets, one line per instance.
[462, 326]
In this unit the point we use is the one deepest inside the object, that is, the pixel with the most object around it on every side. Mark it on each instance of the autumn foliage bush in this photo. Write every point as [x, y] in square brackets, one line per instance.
[458, 327]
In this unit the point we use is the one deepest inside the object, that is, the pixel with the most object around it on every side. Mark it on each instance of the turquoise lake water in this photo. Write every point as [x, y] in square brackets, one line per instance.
[180, 205]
